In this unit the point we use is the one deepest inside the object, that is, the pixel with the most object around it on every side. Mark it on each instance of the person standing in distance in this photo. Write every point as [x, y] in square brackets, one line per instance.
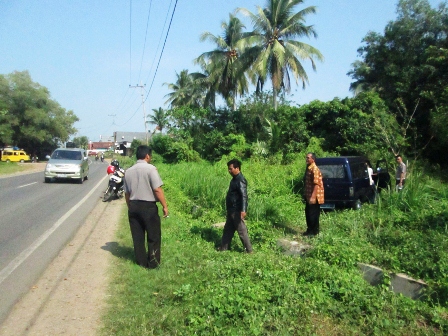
[400, 175]
[143, 188]
[314, 195]
[236, 206]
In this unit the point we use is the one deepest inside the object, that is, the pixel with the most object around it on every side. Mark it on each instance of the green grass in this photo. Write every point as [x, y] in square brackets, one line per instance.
[12, 167]
[199, 291]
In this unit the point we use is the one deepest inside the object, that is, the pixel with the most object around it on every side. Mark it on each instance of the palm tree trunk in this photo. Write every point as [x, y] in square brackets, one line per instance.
[234, 101]
[274, 94]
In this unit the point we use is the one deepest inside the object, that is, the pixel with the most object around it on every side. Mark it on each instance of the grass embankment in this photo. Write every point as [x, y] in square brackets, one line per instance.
[13, 167]
[200, 291]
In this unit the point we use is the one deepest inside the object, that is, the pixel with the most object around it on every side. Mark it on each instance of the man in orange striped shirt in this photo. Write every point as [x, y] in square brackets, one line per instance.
[314, 195]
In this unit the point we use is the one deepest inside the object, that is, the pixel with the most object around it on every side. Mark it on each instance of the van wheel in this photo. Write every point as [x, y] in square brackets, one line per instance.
[357, 205]
[8, 161]
[22, 161]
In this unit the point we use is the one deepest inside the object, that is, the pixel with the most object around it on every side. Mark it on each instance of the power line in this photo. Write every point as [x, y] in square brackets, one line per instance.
[144, 44]
[164, 43]
[143, 103]
[160, 40]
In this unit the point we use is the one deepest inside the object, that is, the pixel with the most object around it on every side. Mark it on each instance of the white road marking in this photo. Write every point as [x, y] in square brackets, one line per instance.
[6, 272]
[26, 185]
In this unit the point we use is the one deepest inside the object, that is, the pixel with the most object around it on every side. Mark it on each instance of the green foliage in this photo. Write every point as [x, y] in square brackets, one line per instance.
[29, 118]
[406, 65]
[134, 144]
[173, 151]
[81, 142]
[197, 290]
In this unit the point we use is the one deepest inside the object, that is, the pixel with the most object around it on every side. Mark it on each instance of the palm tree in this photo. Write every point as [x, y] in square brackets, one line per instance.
[185, 92]
[275, 50]
[205, 80]
[223, 64]
[160, 118]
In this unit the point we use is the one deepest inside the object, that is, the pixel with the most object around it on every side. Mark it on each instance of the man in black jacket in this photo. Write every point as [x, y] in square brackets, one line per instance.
[236, 205]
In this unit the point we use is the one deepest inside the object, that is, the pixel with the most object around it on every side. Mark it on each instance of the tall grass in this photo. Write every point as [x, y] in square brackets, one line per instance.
[198, 290]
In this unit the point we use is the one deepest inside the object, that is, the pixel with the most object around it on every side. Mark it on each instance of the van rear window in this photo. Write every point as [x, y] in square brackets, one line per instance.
[332, 171]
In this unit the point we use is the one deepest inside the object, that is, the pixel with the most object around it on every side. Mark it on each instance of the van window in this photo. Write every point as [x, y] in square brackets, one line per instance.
[332, 171]
[359, 170]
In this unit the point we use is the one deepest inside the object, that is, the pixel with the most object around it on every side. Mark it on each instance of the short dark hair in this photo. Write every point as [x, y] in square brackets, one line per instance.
[142, 151]
[398, 156]
[312, 155]
[236, 163]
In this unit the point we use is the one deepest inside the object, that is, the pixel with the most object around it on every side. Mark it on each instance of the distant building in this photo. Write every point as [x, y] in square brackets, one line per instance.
[101, 146]
[123, 140]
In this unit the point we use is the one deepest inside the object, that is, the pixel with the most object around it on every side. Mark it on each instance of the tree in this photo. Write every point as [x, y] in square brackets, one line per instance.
[36, 122]
[81, 142]
[160, 118]
[226, 71]
[6, 119]
[185, 92]
[406, 65]
[275, 51]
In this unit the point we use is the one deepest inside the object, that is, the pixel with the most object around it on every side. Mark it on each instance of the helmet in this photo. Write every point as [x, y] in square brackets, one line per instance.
[110, 169]
[115, 163]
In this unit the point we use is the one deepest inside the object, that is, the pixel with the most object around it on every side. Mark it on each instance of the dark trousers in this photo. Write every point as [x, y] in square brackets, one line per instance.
[312, 214]
[235, 223]
[144, 222]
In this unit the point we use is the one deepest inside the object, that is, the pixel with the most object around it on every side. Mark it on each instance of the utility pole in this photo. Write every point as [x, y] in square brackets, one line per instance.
[143, 103]
[113, 116]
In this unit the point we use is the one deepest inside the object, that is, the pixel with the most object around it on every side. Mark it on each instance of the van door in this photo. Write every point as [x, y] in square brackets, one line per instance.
[361, 181]
[336, 182]
[381, 175]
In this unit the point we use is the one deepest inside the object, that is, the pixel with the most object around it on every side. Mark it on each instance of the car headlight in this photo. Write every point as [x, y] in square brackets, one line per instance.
[48, 166]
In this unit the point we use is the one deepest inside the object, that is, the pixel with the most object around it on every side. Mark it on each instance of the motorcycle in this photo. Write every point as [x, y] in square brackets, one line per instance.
[102, 158]
[115, 186]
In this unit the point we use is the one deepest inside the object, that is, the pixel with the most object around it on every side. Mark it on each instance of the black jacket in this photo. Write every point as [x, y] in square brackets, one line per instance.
[236, 200]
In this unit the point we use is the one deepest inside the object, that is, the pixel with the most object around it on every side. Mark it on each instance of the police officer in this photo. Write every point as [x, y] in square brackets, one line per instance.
[143, 188]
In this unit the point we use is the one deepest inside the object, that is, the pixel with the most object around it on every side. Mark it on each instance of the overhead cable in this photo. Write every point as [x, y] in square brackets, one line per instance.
[161, 53]
[144, 44]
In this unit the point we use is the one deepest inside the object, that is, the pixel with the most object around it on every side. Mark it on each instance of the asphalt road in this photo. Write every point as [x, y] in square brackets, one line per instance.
[36, 220]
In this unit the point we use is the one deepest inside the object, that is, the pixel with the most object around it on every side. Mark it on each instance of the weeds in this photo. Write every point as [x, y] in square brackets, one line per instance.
[199, 291]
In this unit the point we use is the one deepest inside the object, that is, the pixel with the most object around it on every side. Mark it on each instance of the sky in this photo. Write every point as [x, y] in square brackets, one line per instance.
[101, 59]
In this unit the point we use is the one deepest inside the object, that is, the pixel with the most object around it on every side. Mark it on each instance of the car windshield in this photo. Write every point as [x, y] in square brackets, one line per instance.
[332, 171]
[66, 155]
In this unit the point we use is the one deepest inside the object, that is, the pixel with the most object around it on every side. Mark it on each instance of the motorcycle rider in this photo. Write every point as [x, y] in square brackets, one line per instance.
[117, 167]
[102, 157]
[118, 171]
[116, 180]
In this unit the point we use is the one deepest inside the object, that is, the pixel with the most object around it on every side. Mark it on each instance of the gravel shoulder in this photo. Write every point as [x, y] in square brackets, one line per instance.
[70, 296]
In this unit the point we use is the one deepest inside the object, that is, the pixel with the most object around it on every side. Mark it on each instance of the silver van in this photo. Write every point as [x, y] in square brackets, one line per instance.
[67, 163]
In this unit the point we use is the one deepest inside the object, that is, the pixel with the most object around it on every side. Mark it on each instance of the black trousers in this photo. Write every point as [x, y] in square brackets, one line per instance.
[144, 222]
[235, 223]
[312, 214]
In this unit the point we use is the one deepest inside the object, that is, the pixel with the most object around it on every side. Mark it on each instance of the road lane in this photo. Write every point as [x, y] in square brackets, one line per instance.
[36, 221]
